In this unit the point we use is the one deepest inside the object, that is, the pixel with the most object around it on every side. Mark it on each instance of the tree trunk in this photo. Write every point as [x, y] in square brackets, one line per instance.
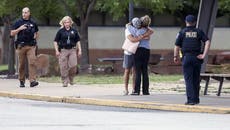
[11, 59]
[5, 41]
[84, 43]
[84, 7]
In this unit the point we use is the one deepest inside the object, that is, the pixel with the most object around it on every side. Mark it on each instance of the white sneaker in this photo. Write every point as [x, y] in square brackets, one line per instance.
[65, 85]
[125, 93]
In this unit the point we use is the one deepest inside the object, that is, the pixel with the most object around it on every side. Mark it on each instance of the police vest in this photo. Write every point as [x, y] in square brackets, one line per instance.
[26, 36]
[68, 38]
[191, 42]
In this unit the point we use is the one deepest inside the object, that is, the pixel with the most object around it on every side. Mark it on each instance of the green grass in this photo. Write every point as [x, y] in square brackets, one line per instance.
[3, 67]
[164, 78]
[111, 79]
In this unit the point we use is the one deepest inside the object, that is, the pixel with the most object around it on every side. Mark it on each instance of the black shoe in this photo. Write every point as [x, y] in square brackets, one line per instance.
[133, 93]
[22, 84]
[33, 84]
[146, 93]
[198, 102]
[189, 103]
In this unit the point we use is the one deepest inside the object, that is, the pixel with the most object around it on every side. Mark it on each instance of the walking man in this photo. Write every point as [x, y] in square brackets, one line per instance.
[27, 33]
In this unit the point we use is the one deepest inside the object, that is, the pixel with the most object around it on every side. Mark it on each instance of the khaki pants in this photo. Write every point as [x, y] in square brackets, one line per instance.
[29, 53]
[68, 64]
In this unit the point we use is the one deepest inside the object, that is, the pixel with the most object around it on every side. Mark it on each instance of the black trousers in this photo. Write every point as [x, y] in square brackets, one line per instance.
[141, 66]
[191, 70]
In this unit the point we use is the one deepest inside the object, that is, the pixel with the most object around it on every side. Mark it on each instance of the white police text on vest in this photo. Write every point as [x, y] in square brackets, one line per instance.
[191, 34]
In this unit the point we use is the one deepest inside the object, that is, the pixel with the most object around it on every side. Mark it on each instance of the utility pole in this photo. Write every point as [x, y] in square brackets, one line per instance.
[130, 10]
[206, 21]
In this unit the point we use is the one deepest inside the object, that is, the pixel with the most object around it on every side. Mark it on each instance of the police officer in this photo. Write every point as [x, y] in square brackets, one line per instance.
[189, 42]
[27, 33]
[67, 47]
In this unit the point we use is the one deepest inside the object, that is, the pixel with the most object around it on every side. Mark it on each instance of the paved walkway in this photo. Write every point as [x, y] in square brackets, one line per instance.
[111, 95]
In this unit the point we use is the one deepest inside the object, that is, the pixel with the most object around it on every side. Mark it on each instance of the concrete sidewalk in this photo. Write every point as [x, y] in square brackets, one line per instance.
[111, 95]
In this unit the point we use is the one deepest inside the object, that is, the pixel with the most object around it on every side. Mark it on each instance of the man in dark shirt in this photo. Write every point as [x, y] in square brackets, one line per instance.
[27, 33]
[188, 41]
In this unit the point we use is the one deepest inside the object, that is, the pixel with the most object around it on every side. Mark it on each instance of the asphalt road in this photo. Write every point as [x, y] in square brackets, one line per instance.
[19, 114]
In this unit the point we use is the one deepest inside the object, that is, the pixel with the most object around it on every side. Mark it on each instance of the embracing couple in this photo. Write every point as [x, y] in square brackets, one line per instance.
[136, 62]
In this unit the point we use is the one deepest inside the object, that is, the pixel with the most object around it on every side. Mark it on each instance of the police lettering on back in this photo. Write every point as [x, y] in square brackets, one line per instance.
[191, 34]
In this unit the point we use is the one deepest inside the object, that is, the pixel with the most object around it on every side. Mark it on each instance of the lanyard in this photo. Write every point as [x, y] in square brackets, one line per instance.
[68, 40]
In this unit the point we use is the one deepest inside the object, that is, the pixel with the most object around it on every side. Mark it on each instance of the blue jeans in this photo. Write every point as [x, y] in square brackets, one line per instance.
[191, 69]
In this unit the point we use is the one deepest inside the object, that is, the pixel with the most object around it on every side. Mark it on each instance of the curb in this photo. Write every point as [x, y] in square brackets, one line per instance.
[118, 103]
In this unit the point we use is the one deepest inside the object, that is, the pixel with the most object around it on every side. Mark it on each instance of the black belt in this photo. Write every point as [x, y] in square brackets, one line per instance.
[29, 44]
[22, 45]
[191, 54]
[74, 47]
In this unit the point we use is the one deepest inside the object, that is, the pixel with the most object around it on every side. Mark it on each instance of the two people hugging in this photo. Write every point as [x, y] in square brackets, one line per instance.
[137, 30]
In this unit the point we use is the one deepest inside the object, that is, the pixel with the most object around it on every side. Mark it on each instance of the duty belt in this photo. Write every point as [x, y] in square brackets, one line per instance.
[69, 47]
[191, 53]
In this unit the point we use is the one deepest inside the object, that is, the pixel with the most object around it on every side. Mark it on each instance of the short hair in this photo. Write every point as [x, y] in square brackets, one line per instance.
[136, 22]
[26, 8]
[145, 20]
[64, 19]
[190, 18]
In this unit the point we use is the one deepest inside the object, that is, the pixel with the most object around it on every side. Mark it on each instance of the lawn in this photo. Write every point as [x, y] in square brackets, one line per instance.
[3, 67]
[111, 79]
[105, 79]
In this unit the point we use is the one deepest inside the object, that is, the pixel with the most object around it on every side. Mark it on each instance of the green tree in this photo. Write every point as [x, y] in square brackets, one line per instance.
[192, 7]
[186, 7]
[223, 8]
[116, 8]
[46, 10]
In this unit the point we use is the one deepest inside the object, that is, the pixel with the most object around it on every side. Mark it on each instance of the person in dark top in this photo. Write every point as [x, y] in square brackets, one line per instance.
[188, 41]
[27, 33]
[67, 47]
[141, 59]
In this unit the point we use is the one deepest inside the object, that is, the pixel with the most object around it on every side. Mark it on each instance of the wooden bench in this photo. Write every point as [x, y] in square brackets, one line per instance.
[112, 60]
[218, 77]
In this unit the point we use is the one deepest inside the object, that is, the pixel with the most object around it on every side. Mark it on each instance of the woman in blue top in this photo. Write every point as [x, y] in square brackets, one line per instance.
[128, 62]
[141, 59]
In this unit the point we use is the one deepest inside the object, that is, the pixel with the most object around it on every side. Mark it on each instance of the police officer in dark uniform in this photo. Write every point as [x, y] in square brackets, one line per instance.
[27, 33]
[188, 41]
[68, 49]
